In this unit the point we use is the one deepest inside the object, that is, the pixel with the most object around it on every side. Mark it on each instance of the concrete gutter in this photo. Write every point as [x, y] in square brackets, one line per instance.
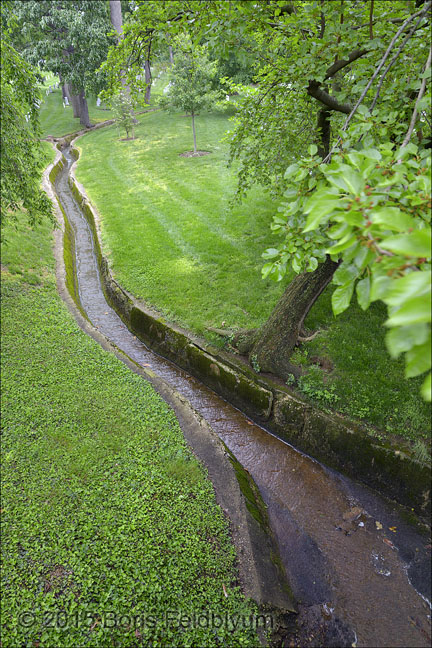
[261, 573]
[344, 445]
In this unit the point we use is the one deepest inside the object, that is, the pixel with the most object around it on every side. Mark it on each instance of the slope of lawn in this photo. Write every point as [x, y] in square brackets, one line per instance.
[174, 239]
[57, 121]
[109, 523]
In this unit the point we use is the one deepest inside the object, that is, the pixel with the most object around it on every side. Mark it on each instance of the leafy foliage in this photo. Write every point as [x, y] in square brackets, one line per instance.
[123, 113]
[21, 153]
[370, 208]
[191, 80]
[70, 38]
[108, 520]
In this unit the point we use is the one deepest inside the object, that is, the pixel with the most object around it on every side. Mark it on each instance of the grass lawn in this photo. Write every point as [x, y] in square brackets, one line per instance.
[105, 511]
[56, 120]
[173, 239]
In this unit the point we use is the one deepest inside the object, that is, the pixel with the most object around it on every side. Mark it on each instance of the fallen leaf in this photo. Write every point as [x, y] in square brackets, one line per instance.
[389, 543]
[393, 529]
[106, 313]
[145, 364]
[378, 525]
[224, 590]
[138, 634]
[249, 423]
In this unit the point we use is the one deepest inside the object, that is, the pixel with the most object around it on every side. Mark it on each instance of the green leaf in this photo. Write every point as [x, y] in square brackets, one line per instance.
[413, 311]
[380, 286]
[270, 253]
[344, 274]
[371, 154]
[296, 265]
[417, 244]
[313, 264]
[401, 339]
[265, 270]
[363, 293]
[313, 148]
[393, 218]
[413, 284]
[293, 168]
[348, 179]
[418, 359]
[341, 297]
[345, 243]
[426, 389]
[319, 213]
[364, 257]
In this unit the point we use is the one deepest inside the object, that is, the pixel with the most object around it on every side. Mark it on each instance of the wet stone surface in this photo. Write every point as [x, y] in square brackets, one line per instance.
[337, 539]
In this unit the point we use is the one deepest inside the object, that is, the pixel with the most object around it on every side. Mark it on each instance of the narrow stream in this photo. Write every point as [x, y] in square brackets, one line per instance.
[358, 581]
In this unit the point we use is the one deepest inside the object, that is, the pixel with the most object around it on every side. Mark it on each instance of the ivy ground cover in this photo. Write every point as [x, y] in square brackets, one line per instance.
[110, 531]
[175, 240]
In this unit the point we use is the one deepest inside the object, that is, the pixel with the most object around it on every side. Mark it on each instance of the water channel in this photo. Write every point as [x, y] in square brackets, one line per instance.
[354, 565]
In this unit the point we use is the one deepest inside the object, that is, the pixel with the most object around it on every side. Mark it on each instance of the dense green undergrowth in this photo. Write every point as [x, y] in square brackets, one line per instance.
[110, 530]
[174, 239]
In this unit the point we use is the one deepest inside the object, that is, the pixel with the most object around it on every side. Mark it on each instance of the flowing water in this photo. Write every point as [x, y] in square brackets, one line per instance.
[359, 572]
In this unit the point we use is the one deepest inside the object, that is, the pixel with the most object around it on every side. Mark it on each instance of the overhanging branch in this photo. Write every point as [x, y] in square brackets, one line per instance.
[338, 65]
[315, 91]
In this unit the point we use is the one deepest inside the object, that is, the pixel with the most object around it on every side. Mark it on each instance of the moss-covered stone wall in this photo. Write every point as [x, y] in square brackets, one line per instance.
[331, 439]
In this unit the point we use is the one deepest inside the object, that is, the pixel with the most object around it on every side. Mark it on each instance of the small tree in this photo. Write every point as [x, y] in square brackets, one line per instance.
[123, 114]
[192, 80]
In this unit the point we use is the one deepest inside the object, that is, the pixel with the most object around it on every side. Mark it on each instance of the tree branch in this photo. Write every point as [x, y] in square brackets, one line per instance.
[338, 65]
[420, 95]
[393, 61]
[315, 91]
[383, 60]
[409, 20]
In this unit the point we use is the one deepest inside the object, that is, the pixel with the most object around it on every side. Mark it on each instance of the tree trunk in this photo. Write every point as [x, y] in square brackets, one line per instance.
[74, 100]
[194, 134]
[116, 17]
[84, 113]
[117, 23]
[272, 345]
[323, 128]
[148, 80]
[63, 88]
[171, 55]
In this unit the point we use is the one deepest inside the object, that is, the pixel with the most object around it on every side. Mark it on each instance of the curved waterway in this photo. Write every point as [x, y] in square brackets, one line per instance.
[358, 571]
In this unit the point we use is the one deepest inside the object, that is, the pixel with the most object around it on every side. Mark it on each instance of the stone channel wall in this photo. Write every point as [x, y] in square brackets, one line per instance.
[333, 440]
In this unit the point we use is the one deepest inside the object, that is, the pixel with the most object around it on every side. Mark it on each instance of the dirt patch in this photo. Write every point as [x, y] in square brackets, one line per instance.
[127, 139]
[193, 154]
[325, 363]
[57, 580]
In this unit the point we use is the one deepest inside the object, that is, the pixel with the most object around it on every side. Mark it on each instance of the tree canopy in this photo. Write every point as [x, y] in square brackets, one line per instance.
[21, 155]
[335, 125]
[192, 80]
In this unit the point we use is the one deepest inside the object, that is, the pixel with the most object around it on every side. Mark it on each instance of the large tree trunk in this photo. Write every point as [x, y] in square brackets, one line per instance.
[84, 113]
[272, 345]
[116, 17]
[117, 23]
[74, 100]
[148, 80]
